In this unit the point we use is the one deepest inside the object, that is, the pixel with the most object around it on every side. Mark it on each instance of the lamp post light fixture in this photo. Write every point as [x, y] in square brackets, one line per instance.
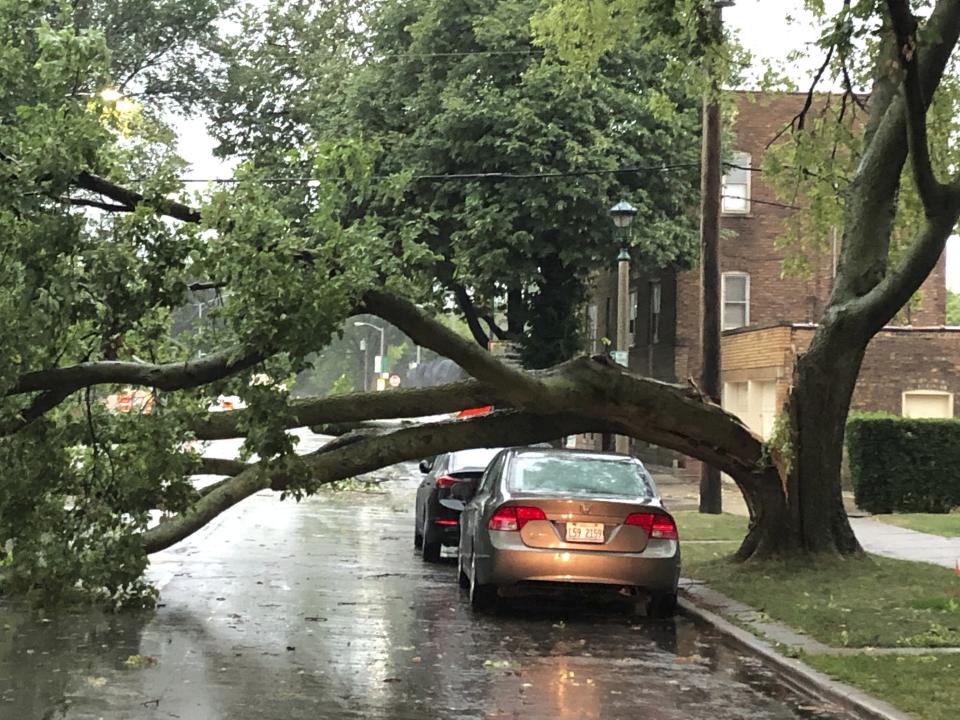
[623, 214]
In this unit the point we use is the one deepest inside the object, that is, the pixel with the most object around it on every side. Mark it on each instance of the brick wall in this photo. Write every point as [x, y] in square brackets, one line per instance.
[899, 361]
[749, 245]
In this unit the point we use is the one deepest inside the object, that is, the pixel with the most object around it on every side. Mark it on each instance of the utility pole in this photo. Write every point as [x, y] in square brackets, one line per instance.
[710, 310]
[622, 442]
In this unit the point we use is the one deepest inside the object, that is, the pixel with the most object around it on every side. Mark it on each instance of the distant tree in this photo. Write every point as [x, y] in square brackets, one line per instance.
[953, 307]
[438, 88]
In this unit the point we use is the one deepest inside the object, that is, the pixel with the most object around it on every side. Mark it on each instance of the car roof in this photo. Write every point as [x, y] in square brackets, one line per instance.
[470, 456]
[573, 452]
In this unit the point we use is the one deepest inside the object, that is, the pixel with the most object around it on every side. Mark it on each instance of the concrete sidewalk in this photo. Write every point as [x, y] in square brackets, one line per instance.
[897, 542]
[876, 537]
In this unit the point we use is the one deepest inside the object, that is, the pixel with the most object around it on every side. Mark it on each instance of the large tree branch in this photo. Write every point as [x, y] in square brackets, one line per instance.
[130, 199]
[42, 404]
[470, 314]
[356, 407]
[221, 466]
[522, 388]
[871, 197]
[598, 397]
[168, 376]
[365, 455]
[905, 28]
[874, 310]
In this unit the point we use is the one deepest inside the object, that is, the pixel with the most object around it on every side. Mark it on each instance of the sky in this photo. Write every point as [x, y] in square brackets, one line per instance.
[762, 26]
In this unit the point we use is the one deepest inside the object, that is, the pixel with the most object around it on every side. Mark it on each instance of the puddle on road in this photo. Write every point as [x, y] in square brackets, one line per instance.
[331, 615]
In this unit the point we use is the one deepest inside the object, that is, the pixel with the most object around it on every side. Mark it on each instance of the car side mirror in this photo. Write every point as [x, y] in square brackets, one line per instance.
[453, 504]
[426, 465]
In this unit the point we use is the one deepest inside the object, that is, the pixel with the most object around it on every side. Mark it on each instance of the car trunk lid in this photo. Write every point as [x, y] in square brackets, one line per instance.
[586, 524]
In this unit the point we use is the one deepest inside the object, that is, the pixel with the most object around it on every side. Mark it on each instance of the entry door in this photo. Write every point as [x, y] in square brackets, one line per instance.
[764, 400]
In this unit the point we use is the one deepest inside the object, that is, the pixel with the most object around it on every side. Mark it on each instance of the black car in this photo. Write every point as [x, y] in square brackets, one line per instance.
[451, 475]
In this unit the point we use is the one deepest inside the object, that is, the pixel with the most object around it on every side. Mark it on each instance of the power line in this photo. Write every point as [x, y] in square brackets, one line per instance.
[762, 202]
[667, 167]
[463, 53]
[375, 56]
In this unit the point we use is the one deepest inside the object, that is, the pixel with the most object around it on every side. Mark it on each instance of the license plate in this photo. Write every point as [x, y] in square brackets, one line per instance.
[585, 532]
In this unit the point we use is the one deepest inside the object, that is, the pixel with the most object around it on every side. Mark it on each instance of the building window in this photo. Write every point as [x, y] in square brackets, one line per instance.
[654, 312]
[735, 187]
[735, 296]
[633, 317]
[927, 404]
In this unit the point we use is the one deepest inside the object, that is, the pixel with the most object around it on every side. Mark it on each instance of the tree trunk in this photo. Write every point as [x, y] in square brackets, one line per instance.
[824, 380]
[769, 532]
[553, 330]
[804, 514]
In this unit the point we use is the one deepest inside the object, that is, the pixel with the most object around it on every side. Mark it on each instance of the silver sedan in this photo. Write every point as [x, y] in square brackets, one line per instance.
[542, 517]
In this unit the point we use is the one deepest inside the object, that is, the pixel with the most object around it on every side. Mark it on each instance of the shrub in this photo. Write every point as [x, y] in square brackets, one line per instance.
[904, 464]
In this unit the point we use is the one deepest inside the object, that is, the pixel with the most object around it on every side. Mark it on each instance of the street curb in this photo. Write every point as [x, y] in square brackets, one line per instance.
[802, 677]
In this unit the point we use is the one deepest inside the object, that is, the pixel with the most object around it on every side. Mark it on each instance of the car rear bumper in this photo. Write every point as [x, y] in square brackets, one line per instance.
[509, 562]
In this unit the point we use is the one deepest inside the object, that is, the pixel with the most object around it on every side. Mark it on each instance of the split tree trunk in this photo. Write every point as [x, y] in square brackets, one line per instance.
[824, 381]
[804, 512]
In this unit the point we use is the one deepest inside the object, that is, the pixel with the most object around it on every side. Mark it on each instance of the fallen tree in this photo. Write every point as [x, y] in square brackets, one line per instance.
[296, 265]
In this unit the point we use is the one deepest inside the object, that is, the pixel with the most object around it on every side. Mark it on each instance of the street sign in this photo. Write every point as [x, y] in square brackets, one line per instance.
[394, 381]
[620, 357]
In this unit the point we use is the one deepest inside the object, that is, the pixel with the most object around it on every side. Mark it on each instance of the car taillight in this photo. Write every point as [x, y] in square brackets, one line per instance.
[445, 481]
[643, 520]
[664, 528]
[514, 517]
[654, 525]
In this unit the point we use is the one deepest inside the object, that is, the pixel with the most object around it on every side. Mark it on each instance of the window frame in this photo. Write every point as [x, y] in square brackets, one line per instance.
[745, 301]
[742, 159]
[656, 309]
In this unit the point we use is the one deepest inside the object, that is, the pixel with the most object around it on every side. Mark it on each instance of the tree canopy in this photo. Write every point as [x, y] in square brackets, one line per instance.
[492, 166]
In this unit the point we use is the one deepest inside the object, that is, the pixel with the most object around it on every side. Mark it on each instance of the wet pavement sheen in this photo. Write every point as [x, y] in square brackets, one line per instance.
[322, 610]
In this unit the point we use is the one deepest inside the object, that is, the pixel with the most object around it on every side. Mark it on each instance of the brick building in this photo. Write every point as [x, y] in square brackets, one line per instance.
[767, 315]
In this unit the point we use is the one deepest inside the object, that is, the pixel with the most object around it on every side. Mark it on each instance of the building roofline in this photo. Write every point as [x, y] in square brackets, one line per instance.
[814, 326]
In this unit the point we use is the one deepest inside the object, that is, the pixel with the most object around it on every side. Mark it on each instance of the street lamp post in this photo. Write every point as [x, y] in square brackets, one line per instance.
[623, 214]
[382, 331]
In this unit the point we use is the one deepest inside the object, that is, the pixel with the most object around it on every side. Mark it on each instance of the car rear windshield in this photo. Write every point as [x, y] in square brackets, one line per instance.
[476, 459]
[578, 476]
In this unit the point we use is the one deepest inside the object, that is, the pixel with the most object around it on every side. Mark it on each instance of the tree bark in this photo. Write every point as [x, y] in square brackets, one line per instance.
[824, 381]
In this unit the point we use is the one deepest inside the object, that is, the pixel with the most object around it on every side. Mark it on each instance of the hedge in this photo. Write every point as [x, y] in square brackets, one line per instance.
[904, 464]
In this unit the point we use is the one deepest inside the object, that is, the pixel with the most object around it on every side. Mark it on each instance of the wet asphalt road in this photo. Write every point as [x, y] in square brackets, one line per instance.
[322, 610]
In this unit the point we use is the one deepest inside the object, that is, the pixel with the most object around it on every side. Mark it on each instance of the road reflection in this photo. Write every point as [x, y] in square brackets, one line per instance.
[321, 609]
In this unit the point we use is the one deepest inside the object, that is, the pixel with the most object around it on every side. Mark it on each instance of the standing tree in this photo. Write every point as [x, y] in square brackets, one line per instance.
[910, 66]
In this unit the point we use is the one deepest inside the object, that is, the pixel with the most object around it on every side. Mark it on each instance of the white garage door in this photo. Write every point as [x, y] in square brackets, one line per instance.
[927, 404]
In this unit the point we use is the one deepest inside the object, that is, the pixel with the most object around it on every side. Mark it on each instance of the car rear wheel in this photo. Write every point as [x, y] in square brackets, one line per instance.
[662, 605]
[482, 597]
[462, 578]
[431, 550]
[417, 539]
